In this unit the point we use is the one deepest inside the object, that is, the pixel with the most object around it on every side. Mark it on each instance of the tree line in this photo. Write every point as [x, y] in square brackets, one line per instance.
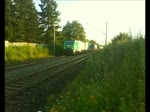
[23, 23]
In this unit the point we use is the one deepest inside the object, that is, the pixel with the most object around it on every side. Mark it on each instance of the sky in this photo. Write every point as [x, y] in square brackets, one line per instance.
[120, 15]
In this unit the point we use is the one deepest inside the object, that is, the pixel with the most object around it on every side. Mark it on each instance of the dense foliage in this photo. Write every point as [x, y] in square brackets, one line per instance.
[74, 31]
[24, 24]
[48, 19]
[21, 21]
[15, 54]
[8, 25]
[113, 81]
[122, 37]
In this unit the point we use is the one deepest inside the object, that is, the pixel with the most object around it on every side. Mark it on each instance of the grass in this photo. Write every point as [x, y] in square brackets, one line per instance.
[112, 81]
[22, 53]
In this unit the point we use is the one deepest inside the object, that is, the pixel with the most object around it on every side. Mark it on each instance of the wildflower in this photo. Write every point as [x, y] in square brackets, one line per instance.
[53, 109]
[94, 101]
[63, 108]
[103, 110]
[78, 98]
[57, 100]
[61, 97]
[91, 97]
[68, 93]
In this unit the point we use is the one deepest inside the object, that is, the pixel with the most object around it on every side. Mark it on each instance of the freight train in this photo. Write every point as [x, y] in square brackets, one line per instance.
[76, 47]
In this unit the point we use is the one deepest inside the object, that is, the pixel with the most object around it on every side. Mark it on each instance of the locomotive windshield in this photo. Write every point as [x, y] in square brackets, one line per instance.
[69, 42]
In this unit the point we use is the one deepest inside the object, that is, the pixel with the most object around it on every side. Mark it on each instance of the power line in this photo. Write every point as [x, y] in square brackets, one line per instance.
[95, 28]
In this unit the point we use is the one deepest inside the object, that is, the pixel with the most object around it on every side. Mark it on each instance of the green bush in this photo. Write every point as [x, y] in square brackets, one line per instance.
[23, 53]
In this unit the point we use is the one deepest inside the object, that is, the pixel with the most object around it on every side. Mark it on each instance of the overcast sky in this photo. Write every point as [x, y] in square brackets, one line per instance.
[121, 16]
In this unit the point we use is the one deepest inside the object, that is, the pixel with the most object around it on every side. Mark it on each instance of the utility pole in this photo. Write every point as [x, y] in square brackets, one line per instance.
[106, 35]
[54, 40]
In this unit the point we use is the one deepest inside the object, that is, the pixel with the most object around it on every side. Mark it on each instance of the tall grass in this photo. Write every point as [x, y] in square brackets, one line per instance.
[23, 53]
[113, 81]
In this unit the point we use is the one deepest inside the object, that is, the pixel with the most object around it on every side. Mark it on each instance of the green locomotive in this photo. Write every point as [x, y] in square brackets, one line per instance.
[73, 46]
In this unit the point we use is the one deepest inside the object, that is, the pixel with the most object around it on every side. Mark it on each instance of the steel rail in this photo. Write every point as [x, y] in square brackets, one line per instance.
[11, 91]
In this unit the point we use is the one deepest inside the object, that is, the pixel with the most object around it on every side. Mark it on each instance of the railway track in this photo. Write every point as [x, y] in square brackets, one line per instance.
[22, 83]
[20, 65]
[30, 63]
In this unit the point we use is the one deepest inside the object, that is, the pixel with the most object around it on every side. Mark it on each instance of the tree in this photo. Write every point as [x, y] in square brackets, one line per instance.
[122, 37]
[17, 27]
[92, 42]
[23, 24]
[74, 31]
[13, 29]
[30, 20]
[8, 31]
[48, 17]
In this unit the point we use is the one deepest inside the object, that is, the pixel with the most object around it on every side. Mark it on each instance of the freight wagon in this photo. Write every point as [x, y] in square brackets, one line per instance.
[92, 47]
